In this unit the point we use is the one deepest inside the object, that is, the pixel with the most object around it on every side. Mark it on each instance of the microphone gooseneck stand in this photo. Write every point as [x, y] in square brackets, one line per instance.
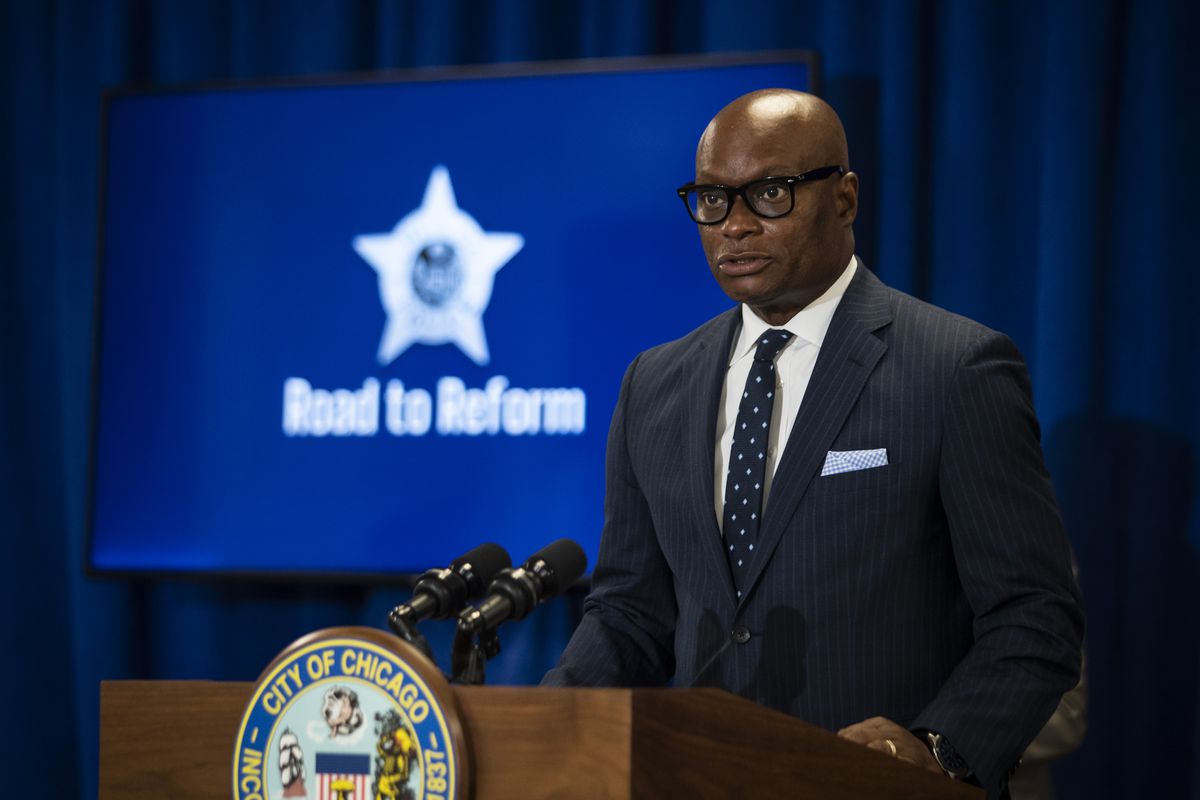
[406, 629]
[471, 652]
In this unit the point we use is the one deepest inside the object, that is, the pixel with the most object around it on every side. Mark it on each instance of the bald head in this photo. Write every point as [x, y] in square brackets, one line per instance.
[777, 262]
[810, 122]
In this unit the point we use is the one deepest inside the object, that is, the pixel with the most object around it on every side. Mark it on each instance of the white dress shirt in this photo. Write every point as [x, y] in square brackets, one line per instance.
[793, 370]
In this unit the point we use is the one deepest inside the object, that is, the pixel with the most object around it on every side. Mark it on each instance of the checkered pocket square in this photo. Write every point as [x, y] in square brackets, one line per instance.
[839, 461]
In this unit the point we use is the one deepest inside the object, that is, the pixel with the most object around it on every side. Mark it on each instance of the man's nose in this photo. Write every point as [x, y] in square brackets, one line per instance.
[741, 221]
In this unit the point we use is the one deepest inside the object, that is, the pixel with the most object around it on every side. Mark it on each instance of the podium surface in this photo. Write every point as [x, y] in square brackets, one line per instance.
[175, 739]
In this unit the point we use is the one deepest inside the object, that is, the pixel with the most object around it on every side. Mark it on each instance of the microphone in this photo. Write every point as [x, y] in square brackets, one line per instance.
[515, 592]
[439, 593]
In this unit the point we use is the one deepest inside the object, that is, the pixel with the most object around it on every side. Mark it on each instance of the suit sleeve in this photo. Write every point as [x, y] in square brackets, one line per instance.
[626, 634]
[1013, 560]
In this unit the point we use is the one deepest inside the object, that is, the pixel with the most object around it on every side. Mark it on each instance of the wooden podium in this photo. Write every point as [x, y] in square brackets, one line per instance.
[175, 739]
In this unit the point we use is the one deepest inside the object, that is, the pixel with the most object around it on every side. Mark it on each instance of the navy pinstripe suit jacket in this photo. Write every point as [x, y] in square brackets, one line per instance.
[935, 590]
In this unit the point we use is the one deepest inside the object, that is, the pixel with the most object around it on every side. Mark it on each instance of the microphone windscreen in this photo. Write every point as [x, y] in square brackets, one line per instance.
[485, 562]
[564, 563]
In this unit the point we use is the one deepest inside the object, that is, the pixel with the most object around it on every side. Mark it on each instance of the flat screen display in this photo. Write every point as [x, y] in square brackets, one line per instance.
[358, 327]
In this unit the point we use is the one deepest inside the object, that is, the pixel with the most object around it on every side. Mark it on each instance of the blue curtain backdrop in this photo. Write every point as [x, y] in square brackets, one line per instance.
[1028, 164]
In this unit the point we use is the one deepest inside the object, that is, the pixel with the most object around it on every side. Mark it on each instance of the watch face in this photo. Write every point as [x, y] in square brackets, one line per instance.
[948, 757]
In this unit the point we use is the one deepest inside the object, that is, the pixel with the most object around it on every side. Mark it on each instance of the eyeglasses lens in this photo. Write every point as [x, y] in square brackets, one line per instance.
[770, 198]
[708, 204]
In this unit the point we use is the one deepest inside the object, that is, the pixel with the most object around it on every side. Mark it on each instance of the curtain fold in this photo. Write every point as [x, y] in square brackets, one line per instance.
[1029, 165]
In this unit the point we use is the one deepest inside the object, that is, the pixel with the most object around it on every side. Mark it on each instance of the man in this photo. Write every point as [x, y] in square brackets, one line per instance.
[908, 582]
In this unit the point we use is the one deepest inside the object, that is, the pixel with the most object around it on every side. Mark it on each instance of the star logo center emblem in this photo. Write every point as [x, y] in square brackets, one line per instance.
[436, 271]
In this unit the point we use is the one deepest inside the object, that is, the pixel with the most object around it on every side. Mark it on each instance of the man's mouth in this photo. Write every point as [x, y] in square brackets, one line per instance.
[737, 264]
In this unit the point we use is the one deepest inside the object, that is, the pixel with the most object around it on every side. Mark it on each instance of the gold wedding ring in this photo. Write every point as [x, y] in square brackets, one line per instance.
[891, 746]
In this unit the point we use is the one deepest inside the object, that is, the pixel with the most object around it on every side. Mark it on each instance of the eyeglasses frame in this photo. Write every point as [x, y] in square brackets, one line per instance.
[734, 192]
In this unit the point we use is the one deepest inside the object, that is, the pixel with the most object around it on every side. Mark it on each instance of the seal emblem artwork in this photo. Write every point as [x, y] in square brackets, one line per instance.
[291, 765]
[436, 272]
[350, 714]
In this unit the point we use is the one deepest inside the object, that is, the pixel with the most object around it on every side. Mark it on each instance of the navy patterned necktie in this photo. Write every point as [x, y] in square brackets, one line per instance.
[748, 457]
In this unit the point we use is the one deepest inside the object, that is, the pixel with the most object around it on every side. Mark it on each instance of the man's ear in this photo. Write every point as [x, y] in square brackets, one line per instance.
[847, 197]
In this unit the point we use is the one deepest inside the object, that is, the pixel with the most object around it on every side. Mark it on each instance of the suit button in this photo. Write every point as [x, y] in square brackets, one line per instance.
[741, 635]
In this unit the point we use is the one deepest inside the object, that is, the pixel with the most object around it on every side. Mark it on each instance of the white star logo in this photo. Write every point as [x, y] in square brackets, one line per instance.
[436, 270]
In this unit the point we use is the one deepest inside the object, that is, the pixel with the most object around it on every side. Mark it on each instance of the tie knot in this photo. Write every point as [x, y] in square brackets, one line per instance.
[770, 343]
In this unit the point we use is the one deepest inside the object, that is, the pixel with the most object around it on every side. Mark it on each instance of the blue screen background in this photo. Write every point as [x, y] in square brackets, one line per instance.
[227, 267]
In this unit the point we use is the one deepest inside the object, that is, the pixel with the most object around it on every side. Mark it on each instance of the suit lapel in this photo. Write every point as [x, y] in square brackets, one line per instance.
[848, 357]
[704, 374]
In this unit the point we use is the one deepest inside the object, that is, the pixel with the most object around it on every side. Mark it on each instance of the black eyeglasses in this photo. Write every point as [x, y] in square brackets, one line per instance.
[710, 203]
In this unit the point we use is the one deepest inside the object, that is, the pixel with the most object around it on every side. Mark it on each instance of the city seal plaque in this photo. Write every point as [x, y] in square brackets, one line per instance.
[350, 714]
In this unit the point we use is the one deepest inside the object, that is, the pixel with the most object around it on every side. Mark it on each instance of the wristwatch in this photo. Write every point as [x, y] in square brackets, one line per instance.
[947, 757]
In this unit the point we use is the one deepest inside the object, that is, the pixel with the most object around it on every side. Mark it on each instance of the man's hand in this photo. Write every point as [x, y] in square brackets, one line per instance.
[876, 732]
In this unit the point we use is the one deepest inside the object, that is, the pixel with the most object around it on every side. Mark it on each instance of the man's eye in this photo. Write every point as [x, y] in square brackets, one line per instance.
[712, 198]
[772, 193]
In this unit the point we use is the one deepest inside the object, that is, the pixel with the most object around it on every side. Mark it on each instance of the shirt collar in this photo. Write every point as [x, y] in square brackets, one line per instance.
[810, 323]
